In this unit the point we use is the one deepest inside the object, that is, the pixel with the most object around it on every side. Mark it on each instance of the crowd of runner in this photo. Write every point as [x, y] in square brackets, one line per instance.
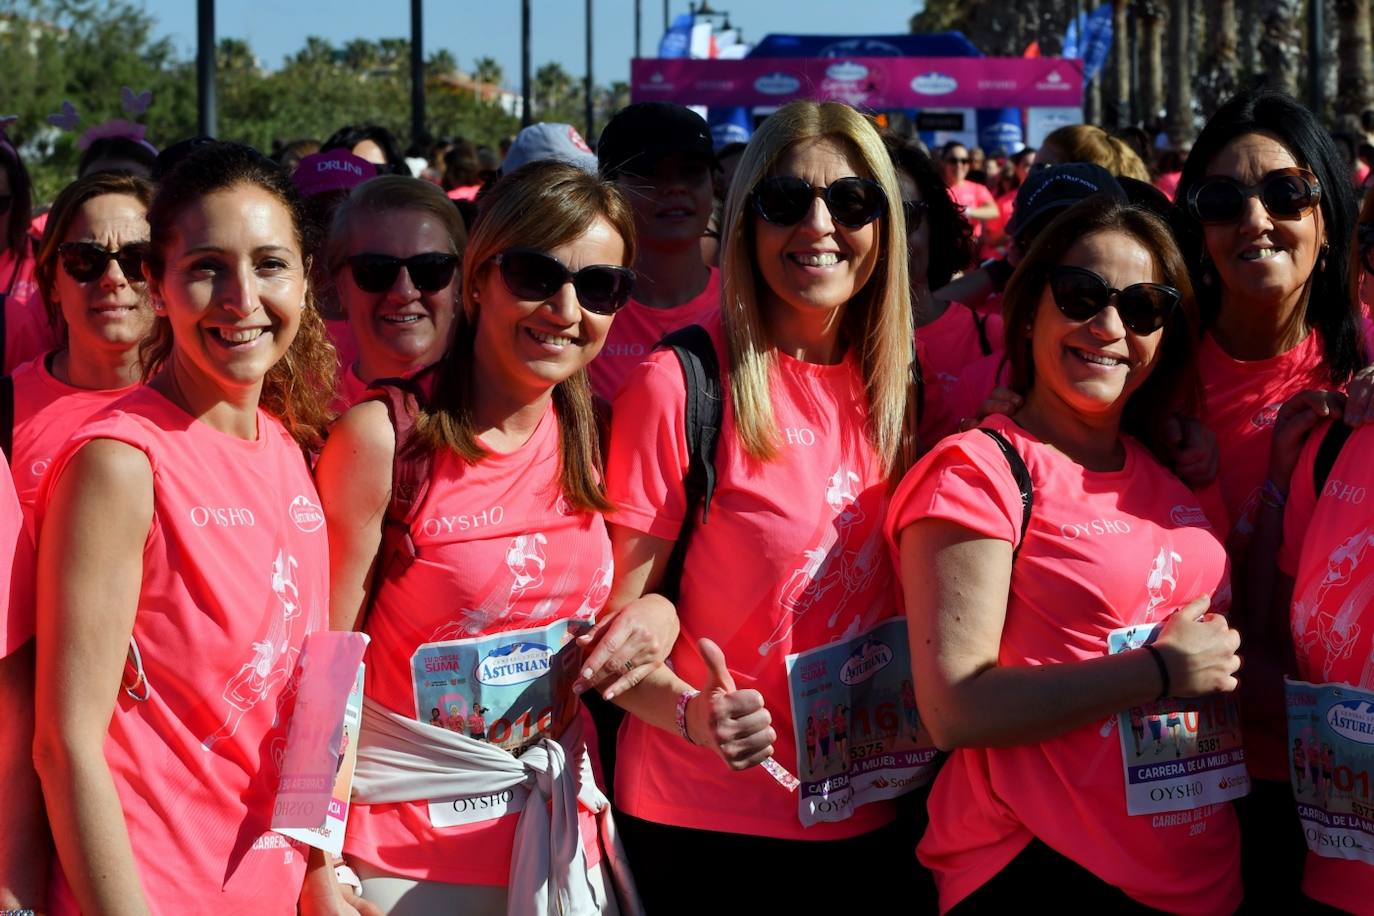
[820, 522]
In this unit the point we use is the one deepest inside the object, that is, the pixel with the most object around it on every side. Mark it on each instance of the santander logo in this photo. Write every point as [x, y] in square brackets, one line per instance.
[307, 516]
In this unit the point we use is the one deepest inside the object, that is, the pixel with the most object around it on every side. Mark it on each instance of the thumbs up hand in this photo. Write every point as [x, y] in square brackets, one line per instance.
[733, 723]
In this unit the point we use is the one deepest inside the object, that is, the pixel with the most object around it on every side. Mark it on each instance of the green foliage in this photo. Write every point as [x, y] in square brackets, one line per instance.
[85, 50]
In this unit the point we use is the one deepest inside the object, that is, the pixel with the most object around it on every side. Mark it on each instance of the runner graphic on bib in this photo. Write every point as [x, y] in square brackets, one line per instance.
[1178, 754]
[510, 689]
[853, 713]
[1332, 727]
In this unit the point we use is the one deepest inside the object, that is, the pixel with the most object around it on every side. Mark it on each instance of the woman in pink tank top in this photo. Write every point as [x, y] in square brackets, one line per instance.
[175, 582]
[90, 272]
[475, 598]
[1056, 575]
[401, 321]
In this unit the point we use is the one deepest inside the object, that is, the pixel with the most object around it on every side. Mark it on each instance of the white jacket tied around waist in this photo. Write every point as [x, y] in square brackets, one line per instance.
[401, 759]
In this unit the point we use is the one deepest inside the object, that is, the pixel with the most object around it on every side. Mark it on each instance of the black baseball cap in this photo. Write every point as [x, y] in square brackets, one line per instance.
[1047, 191]
[639, 135]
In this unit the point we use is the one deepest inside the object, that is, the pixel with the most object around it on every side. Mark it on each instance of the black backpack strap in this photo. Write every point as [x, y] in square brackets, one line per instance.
[7, 414]
[980, 324]
[1327, 453]
[704, 414]
[1021, 474]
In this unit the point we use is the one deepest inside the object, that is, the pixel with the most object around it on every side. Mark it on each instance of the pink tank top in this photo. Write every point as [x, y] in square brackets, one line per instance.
[235, 574]
[499, 550]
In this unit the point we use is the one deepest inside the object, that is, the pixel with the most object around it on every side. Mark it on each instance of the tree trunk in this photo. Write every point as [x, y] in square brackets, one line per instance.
[1248, 48]
[1219, 76]
[1180, 111]
[1151, 63]
[1280, 43]
[1355, 83]
[1121, 61]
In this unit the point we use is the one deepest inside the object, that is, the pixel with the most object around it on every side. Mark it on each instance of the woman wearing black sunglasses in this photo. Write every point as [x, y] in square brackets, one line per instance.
[1264, 219]
[394, 249]
[511, 562]
[1028, 598]
[815, 347]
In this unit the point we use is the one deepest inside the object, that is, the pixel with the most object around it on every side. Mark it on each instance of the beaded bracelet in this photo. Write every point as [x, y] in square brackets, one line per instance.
[682, 700]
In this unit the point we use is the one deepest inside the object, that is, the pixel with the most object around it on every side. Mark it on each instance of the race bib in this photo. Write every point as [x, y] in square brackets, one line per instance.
[1331, 753]
[509, 689]
[859, 736]
[1178, 754]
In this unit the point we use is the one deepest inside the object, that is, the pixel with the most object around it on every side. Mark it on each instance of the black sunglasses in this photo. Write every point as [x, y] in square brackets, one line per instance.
[536, 276]
[914, 211]
[853, 202]
[376, 273]
[958, 160]
[1286, 193]
[86, 261]
[1080, 294]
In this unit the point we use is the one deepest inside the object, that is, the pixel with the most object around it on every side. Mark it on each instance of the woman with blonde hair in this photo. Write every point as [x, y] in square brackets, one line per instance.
[476, 606]
[394, 251]
[1090, 143]
[784, 575]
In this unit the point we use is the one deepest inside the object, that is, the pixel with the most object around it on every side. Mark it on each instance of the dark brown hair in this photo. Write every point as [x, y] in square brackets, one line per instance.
[298, 390]
[541, 205]
[1172, 386]
[64, 211]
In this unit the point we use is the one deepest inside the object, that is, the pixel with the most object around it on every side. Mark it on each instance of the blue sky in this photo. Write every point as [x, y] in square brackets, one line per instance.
[476, 28]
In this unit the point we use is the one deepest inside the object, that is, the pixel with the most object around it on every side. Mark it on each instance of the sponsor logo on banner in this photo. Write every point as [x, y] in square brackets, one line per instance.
[999, 85]
[870, 658]
[1190, 516]
[659, 83]
[307, 516]
[777, 84]
[514, 664]
[846, 70]
[934, 84]
[1054, 83]
[1353, 719]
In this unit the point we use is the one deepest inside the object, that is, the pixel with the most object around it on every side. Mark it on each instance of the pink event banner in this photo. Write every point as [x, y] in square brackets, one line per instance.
[865, 82]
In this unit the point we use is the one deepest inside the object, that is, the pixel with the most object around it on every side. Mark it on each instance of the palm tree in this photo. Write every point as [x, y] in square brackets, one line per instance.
[1151, 16]
[1121, 61]
[1221, 71]
[1180, 118]
[234, 54]
[441, 63]
[1355, 84]
[1280, 43]
[487, 70]
[554, 94]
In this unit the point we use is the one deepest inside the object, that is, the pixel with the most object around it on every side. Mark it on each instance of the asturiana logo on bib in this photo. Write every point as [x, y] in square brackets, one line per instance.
[870, 658]
[1353, 719]
[307, 516]
[514, 664]
[777, 84]
[934, 84]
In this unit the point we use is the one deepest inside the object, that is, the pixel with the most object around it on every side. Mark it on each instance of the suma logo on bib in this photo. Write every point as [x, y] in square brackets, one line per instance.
[307, 516]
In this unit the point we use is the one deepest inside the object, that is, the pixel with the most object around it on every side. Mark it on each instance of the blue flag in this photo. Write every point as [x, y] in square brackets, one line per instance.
[677, 41]
[1089, 39]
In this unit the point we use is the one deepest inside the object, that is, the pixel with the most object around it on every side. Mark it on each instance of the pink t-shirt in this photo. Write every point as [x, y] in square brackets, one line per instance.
[1242, 401]
[952, 347]
[971, 195]
[1167, 182]
[638, 327]
[27, 331]
[498, 550]
[1324, 545]
[46, 413]
[11, 532]
[773, 571]
[1104, 550]
[235, 574]
[965, 397]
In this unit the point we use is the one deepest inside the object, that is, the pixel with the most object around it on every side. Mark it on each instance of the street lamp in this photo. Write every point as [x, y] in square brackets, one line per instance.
[526, 108]
[588, 90]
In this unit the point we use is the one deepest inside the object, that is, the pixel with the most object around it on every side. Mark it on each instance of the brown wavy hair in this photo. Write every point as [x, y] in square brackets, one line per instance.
[60, 217]
[541, 205]
[1173, 385]
[299, 389]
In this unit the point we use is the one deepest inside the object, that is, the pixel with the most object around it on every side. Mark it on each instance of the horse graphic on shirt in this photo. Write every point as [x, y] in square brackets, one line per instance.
[1162, 580]
[831, 564]
[525, 563]
[274, 658]
[1334, 631]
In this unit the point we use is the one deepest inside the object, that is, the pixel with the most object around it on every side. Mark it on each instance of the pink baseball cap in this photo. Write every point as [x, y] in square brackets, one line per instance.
[336, 170]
